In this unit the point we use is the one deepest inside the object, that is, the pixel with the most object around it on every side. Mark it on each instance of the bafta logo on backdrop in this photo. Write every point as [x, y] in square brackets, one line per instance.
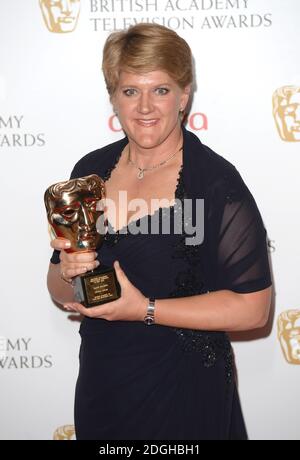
[64, 433]
[60, 16]
[286, 111]
[289, 335]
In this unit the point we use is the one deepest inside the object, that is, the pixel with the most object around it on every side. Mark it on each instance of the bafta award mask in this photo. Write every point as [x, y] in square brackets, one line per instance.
[286, 111]
[73, 209]
[289, 335]
[60, 16]
[64, 433]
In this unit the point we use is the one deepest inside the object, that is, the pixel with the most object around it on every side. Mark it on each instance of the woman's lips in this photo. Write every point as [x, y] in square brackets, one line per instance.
[147, 123]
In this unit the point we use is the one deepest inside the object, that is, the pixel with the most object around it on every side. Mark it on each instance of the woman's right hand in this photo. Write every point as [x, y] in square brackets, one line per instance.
[76, 263]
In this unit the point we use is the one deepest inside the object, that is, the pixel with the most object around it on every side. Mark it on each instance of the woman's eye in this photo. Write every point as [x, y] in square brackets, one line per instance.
[129, 92]
[162, 91]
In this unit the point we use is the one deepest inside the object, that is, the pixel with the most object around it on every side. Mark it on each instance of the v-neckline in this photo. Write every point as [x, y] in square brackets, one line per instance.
[124, 229]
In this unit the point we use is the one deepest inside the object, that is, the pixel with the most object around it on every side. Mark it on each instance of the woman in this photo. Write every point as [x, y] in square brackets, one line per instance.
[157, 363]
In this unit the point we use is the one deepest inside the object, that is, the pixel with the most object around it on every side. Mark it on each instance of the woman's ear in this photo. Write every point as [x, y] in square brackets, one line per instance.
[188, 89]
[185, 96]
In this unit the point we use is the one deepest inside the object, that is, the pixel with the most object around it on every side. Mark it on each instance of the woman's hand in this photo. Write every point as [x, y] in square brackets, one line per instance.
[131, 306]
[74, 264]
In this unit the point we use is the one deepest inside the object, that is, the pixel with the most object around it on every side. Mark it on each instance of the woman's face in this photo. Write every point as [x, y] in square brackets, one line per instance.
[148, 106]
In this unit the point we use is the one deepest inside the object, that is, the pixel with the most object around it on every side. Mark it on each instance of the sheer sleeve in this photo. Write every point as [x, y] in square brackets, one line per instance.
[242, 263]
[78, 171]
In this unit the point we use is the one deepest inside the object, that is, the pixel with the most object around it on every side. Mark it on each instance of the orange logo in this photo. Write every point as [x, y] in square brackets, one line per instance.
[286, 111]
[60, 16]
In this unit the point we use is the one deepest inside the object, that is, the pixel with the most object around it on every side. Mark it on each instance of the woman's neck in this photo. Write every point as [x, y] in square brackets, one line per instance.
[148, 157]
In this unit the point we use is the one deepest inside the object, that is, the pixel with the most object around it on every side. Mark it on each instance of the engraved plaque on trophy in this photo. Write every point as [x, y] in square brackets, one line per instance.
[73, 211]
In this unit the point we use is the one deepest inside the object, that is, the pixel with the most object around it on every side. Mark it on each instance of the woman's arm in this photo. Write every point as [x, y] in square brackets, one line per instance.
[59, 289]
[216, 311]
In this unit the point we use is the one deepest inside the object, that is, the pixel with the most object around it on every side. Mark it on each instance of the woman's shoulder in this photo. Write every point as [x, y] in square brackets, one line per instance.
[100, 160]
[221, 172]
[208, 169]
[223, 181]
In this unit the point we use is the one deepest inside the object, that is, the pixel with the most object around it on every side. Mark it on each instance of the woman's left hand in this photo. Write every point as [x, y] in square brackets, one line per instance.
[131, 306]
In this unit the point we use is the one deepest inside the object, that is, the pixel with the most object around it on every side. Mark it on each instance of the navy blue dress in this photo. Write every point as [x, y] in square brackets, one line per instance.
[139, 382]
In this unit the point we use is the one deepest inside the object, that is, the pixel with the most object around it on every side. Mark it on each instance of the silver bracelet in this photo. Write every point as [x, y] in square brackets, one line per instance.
[149, 318]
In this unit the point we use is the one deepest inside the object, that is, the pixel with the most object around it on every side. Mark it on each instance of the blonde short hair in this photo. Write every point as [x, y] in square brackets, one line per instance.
[145, 48]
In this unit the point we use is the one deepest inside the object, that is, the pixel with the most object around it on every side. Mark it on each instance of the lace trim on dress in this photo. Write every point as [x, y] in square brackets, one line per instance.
[211, 346]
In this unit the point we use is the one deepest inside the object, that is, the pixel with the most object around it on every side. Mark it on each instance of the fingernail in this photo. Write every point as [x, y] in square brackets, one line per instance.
[68, 244]
[97, 263]
[96, 254]
[117, 264]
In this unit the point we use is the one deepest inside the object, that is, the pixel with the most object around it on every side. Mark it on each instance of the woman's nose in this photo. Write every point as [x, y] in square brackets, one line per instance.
[145, 103]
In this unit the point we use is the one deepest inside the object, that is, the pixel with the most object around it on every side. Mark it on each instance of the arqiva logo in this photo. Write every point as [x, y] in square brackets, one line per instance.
[196, 122]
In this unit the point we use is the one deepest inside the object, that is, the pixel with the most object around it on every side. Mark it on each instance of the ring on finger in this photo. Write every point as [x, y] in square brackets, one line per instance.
[66, 280]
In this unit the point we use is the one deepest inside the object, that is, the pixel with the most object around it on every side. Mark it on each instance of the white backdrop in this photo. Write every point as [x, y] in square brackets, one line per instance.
[54, 109]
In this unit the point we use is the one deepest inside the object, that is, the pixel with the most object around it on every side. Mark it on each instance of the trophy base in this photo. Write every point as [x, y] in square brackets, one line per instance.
[97, 287]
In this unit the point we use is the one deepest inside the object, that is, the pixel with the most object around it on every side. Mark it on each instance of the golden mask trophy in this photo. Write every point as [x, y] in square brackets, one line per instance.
[73, 212]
